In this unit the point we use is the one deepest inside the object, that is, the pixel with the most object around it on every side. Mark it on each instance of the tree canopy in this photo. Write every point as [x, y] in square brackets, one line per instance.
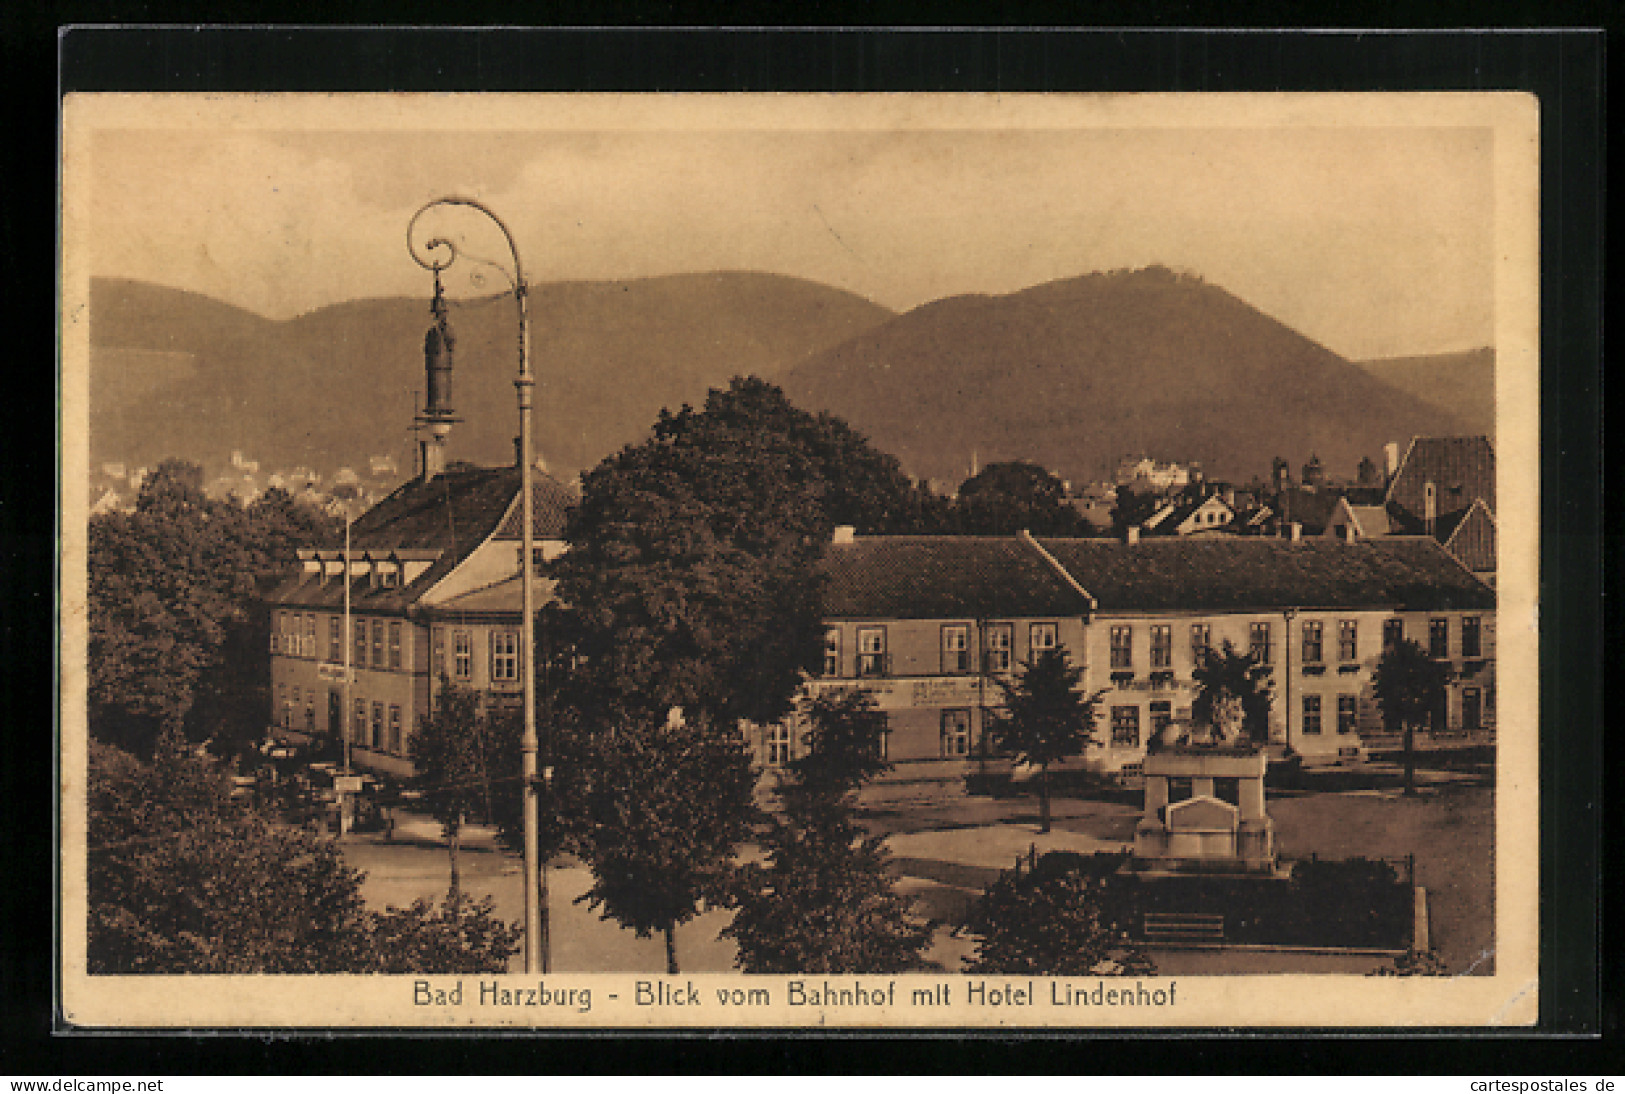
[1409, 687]
[823, 901]
[663, 805]
[1050, 922]
[1005, 498]
[1046, 717]
[172, 590]
[181, 878]
[691, 571]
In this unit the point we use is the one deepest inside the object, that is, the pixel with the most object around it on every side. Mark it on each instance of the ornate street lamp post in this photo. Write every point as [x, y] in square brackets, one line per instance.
[536, 944]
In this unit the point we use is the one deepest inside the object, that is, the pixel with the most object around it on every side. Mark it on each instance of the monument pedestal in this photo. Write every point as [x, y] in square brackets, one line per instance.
[1202, 832]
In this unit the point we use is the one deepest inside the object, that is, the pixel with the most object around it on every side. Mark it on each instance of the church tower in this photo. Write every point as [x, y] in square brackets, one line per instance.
[437, 415]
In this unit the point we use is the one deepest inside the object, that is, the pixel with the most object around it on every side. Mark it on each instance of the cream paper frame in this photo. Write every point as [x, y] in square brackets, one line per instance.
[1506, 998]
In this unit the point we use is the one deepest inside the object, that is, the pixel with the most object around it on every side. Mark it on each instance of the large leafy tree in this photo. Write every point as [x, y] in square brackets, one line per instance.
[181, 878]
[823, 900]
[1409, 686]
[692, 560]
[1227, 679]
[1005, 498]
[663, 806]
[175, 642]
[1046, 717]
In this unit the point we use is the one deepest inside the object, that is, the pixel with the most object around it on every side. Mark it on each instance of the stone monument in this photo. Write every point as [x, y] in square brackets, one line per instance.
[1189, 826]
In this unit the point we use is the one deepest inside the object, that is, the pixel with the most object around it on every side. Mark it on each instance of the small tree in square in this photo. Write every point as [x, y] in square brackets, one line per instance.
[1409, 686]
[455, 756]
[1047, 718]
[824, 902]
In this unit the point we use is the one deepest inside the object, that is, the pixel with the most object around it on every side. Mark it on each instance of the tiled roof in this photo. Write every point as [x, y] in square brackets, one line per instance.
[944, 577]
[1460, 468]
[454, 513]
[1247, 572]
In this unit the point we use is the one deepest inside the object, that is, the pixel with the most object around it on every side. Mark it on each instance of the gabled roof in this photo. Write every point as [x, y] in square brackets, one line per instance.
[1246, 572]
[1460, 468]
[944, 577]
[1170, 517]
[454, 513]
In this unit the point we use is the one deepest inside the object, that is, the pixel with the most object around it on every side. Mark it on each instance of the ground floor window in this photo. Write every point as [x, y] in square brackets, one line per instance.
[504, 656]
[395, 741]
[1162, 712]
[1472, 709]
[1311, 715]
[462, 645]
[1126, 726]
[955, 733]
[1348, 708]
[377, 737]
[358, 733]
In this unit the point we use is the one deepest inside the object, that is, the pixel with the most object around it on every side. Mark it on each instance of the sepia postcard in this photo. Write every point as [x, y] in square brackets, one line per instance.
[929, 561]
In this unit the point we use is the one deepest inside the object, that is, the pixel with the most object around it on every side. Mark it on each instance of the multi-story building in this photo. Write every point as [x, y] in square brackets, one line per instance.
[931, 624]
[433, 578]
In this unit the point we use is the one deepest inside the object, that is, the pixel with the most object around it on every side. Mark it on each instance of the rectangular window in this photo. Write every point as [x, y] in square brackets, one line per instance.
[1472, 637]
[955, 733]
[999, 647]
[358, 733]
[1122, 647]
[1348, 713]
[1438, 638]
[1311, 715]
[1348, 640]
[1201, 640]
[871, 651]
[1393, 632]
[378, 726]
[1041, 637]
[955, 647]
[1311, 642]
[310, 712]
[377, 643]
[832, 651]
[1126, 726]
[1162, 646]
[778, 744]
[1258, 643]
[335, 638]
[394, 645]
[395, 741]
[309, 649]
[359, 627]
[439, 653]
[1161, 714]
[1472, 710]
[504, 656]
[462, 645]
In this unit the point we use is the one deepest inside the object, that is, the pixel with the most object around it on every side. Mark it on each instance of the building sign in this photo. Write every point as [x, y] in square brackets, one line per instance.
[927, 691]
[333, 674]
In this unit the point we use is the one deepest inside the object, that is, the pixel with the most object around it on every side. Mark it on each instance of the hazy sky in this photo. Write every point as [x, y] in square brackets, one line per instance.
[1375, 241]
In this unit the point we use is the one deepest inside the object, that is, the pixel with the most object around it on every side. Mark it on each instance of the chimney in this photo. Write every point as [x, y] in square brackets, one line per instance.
[1430, 506]
[1390, 457]
[1132, 535]
[844, 534]
[1295, 531]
